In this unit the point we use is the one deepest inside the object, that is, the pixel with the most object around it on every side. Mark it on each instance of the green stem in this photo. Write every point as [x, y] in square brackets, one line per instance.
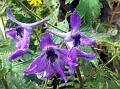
[3, 5]
[33, 14]
[103, 66]
[97, 55]
[79, 78]
[5, 83]
[45, 85]
[37, 36]
[3, 27]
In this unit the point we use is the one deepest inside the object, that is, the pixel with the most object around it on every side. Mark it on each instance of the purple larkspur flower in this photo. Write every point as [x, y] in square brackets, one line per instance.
[75, 40]
[52, 60]
[21, 35]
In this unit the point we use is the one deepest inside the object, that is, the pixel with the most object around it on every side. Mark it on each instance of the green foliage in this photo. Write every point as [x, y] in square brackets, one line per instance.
[89, 9]
[17, 82]
[95, 73]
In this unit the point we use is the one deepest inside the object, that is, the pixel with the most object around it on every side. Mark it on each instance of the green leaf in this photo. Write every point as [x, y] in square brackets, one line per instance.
[63, 25]
[18, 82]
[2, 7]
[112, 84]
[53, 6]
[89, 9]
[57, 40]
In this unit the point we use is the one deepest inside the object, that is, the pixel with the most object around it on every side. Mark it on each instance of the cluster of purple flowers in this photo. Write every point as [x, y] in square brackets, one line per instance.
[53, 58]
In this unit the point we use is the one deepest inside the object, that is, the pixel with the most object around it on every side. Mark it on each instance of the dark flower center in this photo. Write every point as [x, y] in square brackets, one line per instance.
[51, 54]
[76, 40]
[19, 32]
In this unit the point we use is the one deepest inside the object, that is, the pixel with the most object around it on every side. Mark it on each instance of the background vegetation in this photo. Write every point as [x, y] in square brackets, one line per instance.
[101, 21]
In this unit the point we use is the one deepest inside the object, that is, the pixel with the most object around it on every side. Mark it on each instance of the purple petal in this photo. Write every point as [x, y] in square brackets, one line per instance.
[72, 54]
[37, 66]
[62, 54]
[69, 40]
[59, 68]
[23, 43]
[67, 57]
[48, 73]
[46, 41]
[84, 40]
[72, 60]
[72, 69]
[72, 57]
[17, 53]
[87, 56]
[75, 21]
[25, 40]
[12, 33]
[22, 46]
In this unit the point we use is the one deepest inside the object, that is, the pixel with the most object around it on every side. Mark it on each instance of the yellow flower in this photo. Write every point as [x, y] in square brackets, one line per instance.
[35, 2]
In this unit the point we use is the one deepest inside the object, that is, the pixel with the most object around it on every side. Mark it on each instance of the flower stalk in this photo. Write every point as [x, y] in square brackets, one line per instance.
[45, 85]
[37, 36]
[5, 83]
[3, 27]
[79, 77]
[103, 66]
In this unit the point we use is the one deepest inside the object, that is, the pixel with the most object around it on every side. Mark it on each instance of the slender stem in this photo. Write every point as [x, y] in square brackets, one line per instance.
[98, 56]
[3, 27]
[3, 5]
[5, 83]
[45, 85]
[103, 66]
[37, 36]
[79, 78]
[98, 25]
[33, 14]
